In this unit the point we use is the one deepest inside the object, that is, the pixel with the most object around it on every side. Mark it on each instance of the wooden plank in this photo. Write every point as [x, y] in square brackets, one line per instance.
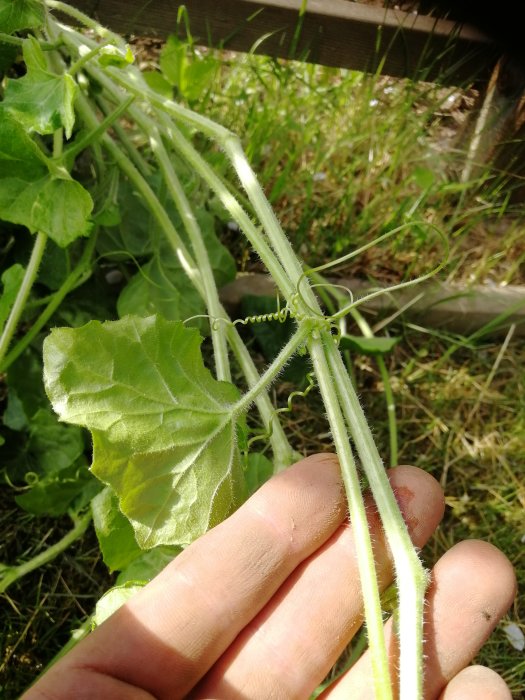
[441, 305]
[331, 32]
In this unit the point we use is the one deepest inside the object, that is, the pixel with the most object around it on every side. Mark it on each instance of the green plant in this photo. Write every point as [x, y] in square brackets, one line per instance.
[144, 171]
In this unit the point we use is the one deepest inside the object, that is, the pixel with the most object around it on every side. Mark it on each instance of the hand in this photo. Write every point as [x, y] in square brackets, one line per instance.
[262, 605]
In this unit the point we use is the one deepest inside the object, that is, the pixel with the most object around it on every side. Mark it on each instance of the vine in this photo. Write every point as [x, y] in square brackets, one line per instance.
[189, 417]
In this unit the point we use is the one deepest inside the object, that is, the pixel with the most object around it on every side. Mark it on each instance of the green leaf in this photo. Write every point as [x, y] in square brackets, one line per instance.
[173, 60]
[59, 208]
[158, 82]
[56, 494]
[30, 196]
[14, 415]
[113, 599]
[114, 532]
[20, 157]
[11, 281]
[55, 445]
[148, 564]
[41, 101]
[160, 287]
[51, 461]
[26, 393]
[163, 429]
[190, 73]
[258, 470]
[113, 56]
[21, 14]
[197, 78]
[368, 346]
[132, 234]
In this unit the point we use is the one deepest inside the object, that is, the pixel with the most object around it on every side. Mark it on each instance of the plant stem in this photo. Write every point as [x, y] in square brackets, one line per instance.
[211, 296]
[338, 393]
[136, 85]
[148, 195]
[387, 388]
[282, 452]
[390, 410]
[367, 332]
[23, 293]
[19, 41]
[81, 62]
[124, 139]
[87, 21]
[13, 573]
[362, 538]
[71, 281]
[88, 139]
[252, 232]
[411, 576]
[308, 304]
[276, 367]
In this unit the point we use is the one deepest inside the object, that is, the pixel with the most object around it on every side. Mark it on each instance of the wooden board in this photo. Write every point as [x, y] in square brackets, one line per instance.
[331, 32]
[440, 305]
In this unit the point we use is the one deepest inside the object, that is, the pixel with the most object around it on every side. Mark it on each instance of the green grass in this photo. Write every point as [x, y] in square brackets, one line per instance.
[344, 157]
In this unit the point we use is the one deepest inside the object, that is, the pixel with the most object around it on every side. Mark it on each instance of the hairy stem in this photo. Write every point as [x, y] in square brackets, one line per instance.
[71, 281]
[282, 451]
[211, 296]
[13, 573]
[276, 367]
[362, 538]
[23, 293]
[387, 387]
[411, 576]
[338, 392]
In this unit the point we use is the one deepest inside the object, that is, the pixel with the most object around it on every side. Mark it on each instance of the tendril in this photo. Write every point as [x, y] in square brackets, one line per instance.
[376, 291]
[310, 378]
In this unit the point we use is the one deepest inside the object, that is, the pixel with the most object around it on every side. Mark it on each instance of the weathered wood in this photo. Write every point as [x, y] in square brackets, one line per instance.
[439, 305]
[331, 32]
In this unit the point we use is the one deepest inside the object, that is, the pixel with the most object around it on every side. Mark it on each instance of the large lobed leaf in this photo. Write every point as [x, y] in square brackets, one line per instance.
[163, 429]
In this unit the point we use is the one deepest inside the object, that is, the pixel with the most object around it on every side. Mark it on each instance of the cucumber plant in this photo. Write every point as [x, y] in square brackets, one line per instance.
[97, 164]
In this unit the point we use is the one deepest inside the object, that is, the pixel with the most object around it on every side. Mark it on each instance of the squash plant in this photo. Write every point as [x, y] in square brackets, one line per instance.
[97, 164]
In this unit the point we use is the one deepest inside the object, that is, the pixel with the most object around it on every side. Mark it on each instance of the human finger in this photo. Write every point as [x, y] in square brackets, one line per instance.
[473, 585]
[168, 635]
[287, 650]
[476, 683]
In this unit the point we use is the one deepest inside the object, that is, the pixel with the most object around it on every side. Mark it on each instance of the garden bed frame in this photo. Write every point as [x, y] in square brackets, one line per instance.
[330, 32]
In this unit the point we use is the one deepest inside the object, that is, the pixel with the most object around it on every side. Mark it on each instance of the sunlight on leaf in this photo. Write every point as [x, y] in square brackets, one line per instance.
[20, 14]
[113, 599]
[164, 436]
[114, 56]
[41, 101]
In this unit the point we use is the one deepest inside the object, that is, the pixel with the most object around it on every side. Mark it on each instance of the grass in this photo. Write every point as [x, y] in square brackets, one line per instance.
[344, 157]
